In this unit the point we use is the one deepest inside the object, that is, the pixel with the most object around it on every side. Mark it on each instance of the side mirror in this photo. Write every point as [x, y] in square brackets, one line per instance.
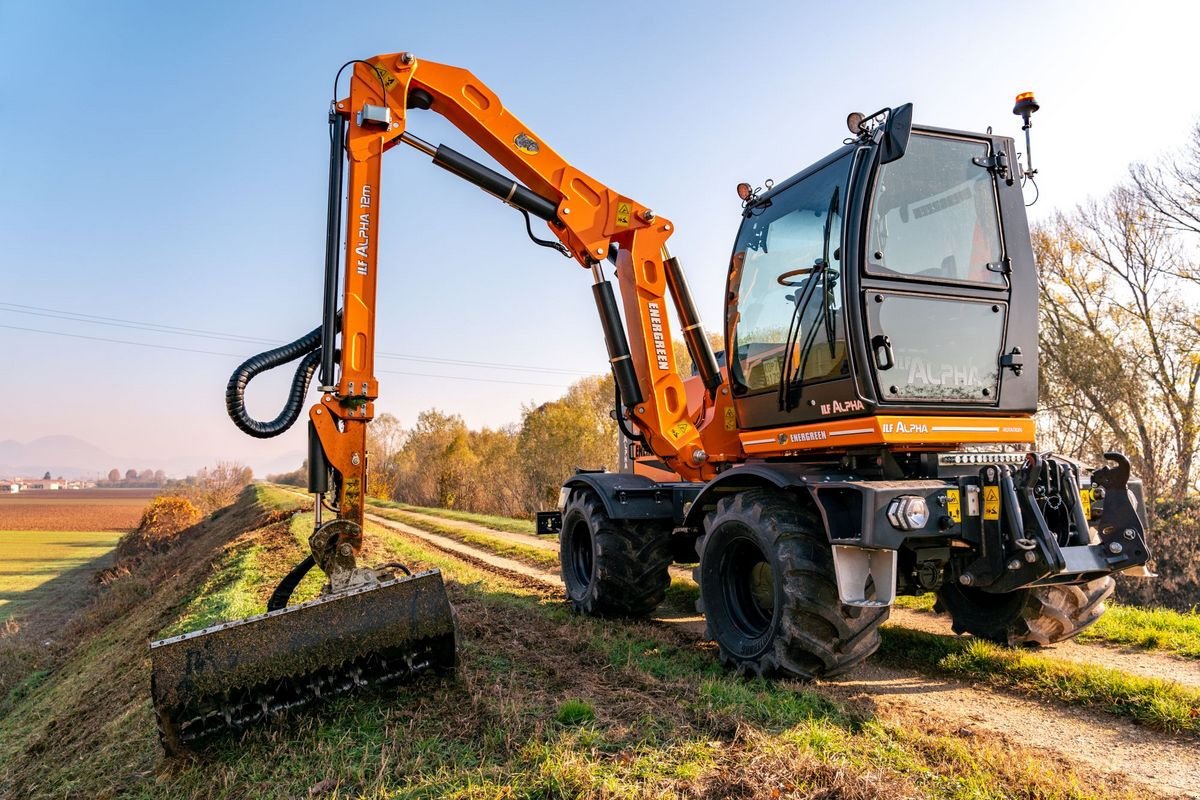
[895, 134]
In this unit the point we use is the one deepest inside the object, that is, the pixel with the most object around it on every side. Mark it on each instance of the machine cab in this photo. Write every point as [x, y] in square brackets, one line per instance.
[886, 281]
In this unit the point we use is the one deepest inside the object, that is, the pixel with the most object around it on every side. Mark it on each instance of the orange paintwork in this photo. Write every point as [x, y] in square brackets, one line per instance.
[592, 216]
[910, 431]
[346, 451]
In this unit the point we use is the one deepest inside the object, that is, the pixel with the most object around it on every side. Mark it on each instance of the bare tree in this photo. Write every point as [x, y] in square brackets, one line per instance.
[1172, 189]
[1120, 340]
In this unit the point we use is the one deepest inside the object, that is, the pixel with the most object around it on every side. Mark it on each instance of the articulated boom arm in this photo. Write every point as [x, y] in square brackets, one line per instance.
[586, 216]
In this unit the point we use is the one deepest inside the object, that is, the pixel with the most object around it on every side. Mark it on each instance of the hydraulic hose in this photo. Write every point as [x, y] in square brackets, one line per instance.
[307, 348]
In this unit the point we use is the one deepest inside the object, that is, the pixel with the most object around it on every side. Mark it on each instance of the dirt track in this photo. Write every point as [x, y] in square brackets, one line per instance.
[1104, 744]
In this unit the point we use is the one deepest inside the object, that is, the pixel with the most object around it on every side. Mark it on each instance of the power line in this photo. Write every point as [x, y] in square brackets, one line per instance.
[73, 316]
[232, 355]
[119, 341]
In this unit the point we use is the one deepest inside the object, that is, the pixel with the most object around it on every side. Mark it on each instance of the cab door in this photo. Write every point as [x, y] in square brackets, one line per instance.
[936, 281]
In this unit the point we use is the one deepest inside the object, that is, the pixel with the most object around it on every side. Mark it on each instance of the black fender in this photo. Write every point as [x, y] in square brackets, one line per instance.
[851, 511]
[752, 475]
[627, 496]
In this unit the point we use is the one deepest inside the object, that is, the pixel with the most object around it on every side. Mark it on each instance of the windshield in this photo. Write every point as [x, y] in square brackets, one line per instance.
[934, 214]
[784, 295]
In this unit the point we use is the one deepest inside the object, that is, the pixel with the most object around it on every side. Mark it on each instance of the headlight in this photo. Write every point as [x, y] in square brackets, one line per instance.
[908, 512]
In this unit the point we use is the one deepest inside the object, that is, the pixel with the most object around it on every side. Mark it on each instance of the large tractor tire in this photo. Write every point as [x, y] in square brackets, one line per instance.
[612, 567]
[1034, 617]
[769, 593]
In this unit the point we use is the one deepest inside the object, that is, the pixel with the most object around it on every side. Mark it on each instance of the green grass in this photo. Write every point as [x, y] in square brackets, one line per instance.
[921, 602]
[30, 559]
[508, 524]
[1149, 628]
[1160, 704]
[231, 592]
[1176, 632]
[575, 712]
[536, 556]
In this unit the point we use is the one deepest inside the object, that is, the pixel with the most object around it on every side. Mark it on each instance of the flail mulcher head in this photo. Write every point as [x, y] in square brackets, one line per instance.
[369, 628]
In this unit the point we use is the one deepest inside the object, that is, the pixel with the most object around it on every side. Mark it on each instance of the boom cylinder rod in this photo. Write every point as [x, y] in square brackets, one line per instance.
[333, 227]
[615, 339]
[693, 332]
[486, 178]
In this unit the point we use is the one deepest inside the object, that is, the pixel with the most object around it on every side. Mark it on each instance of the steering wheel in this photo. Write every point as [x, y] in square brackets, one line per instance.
[782, 279]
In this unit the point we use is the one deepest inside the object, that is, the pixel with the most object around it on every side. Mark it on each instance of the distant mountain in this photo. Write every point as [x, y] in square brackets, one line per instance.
[59, 455]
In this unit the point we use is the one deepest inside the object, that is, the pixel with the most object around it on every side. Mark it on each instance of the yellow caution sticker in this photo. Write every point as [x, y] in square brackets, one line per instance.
[991, 502]
[954, 505]
[624, 211]
[679, 430]
[730, 419]
[1086, 496]
[389, 80]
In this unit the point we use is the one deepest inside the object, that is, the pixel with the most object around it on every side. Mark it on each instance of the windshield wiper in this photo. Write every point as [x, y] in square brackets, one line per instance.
[789, 345]
[791, 384]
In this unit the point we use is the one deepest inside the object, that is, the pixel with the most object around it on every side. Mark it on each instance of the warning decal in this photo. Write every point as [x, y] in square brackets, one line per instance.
[991, 502]
[623, 212]
[954, 505]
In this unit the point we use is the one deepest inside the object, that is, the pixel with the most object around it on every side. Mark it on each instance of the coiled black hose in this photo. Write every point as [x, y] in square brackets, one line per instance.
[307, 347]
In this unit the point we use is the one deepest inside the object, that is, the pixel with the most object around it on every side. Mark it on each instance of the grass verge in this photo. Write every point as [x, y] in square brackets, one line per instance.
[1148, 628]
[1175, 632]
[535, 556]
[1159, 704]
[508, 524]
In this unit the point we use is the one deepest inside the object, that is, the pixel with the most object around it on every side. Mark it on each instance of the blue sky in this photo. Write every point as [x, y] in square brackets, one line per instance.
[165, 163]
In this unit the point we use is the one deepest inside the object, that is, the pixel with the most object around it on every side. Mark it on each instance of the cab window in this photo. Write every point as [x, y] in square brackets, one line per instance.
[785, 305]
[934, 214]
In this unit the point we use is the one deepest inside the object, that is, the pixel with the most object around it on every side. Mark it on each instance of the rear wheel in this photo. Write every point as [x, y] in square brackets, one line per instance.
[769, 594]
[612, 567]
[1038, 616]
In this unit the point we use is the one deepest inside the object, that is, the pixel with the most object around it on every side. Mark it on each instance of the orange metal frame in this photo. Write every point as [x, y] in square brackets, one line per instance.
[592, 216]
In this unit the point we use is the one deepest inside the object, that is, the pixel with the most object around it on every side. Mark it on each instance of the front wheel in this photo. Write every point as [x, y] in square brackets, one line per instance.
[612, 567]
[1034, 617]
[769, 593]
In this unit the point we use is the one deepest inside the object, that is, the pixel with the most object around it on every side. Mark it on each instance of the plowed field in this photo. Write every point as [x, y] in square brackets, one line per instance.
[79, 510]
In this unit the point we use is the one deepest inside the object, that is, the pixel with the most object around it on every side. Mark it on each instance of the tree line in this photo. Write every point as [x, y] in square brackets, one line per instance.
[133, 478]
[1120, 325]
[511, 470]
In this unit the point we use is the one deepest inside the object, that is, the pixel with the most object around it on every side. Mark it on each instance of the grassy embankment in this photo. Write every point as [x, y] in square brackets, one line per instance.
[546, 704]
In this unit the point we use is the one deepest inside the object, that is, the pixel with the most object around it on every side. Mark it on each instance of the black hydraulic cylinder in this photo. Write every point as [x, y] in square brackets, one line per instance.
[493, 182]
[333, 241]
[618, 344]
[693, 333]
[318, 465]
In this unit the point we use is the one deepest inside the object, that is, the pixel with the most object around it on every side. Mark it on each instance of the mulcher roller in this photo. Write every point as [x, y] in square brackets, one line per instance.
[238, 673]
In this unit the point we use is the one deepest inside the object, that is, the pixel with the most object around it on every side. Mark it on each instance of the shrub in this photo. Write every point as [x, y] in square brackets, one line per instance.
[163, 519]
